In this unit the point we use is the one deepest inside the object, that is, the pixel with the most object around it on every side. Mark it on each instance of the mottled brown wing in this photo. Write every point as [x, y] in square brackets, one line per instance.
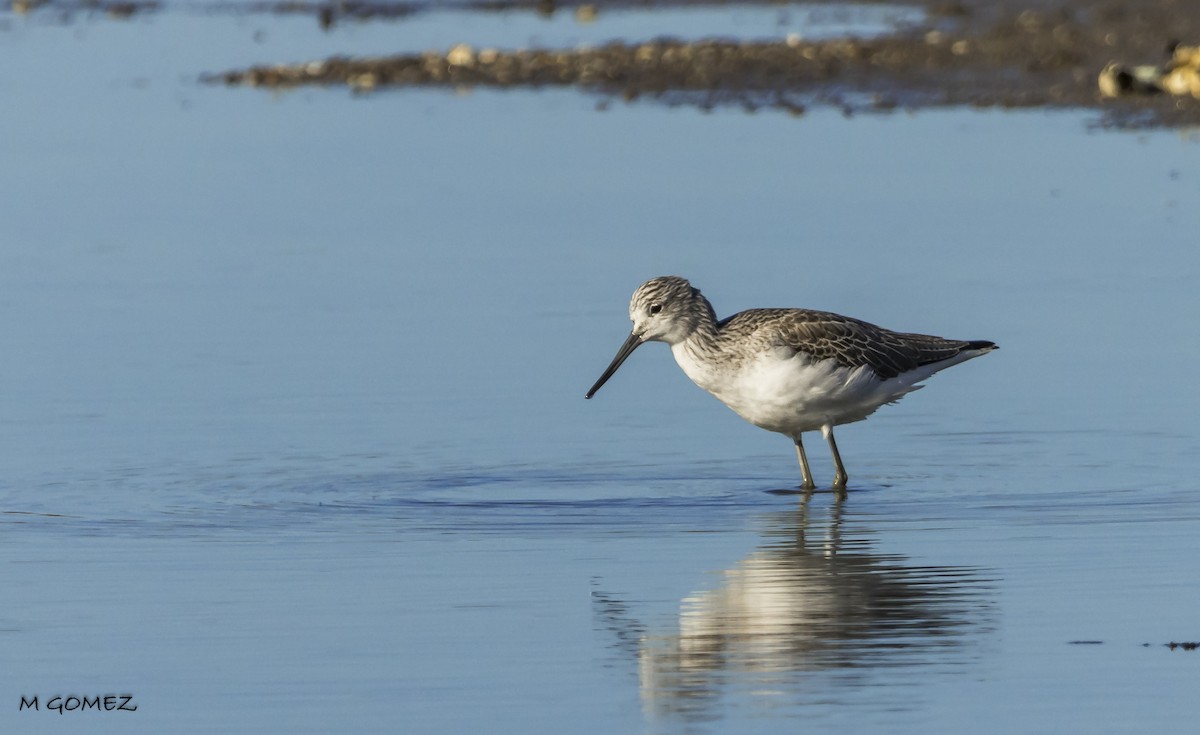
[851, 342]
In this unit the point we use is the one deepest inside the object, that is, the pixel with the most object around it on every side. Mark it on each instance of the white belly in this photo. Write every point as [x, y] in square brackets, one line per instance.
[790, 393]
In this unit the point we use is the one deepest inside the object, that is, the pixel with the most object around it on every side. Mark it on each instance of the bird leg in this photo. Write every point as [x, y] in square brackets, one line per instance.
[840, 477]
[805, 473]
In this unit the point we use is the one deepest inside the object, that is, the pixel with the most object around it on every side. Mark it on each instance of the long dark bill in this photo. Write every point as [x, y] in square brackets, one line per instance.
[626, 350]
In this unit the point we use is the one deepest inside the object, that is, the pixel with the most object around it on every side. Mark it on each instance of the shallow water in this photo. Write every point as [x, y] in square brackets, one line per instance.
[295, 438]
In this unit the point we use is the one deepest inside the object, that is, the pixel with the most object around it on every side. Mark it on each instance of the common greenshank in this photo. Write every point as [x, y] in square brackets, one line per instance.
[787, 370]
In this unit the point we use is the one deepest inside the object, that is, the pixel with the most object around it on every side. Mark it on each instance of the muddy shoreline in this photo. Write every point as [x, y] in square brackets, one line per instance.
[981, 53]
[993, 53]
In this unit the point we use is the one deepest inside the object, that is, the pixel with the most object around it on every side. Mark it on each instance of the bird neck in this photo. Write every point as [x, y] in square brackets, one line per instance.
[705, 329]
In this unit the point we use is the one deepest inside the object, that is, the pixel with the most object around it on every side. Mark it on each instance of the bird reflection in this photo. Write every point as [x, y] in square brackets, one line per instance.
[808, 602]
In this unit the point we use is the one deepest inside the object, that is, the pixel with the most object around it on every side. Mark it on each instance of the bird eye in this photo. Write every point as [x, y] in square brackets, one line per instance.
[655, 308]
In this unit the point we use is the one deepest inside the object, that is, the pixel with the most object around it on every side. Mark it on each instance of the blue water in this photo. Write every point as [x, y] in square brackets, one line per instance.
[294, 435]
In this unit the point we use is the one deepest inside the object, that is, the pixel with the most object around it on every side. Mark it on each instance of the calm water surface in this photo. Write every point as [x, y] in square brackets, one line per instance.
[294, 436]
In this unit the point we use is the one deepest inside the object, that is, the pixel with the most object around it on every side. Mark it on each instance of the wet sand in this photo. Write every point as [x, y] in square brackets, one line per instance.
[980, 53]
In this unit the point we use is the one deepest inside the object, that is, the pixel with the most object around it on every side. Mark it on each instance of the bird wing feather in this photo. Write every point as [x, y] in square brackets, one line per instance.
[851, 342]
